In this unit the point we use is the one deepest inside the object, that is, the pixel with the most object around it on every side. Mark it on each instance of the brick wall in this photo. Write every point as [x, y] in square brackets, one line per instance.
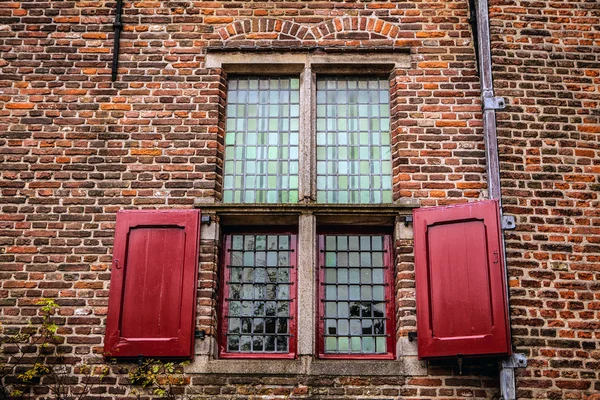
[547, 64]
[75, 148]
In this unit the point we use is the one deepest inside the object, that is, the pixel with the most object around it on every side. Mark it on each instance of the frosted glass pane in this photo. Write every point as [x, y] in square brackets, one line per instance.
[261, 153]
[353, 140]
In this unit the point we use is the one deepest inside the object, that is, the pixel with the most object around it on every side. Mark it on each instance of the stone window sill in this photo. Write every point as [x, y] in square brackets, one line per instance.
[307, 365]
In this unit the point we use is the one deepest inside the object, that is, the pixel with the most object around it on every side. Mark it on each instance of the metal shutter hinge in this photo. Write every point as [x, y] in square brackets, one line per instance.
[507, 375]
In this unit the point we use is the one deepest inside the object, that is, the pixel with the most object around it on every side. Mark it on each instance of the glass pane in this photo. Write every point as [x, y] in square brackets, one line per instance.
[261, 143]
[258, 308]
[355, 303]
[352, 125]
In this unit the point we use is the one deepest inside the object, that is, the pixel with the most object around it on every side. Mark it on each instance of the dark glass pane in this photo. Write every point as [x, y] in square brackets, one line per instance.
[379, 327]
[367, 327]
[354, 309]
[270, 343]
[258, 291]
[282, 325]
[233, 343]
[282, 344]
[246, 325]
[270, 307]
[270, 325]
[257, 344]
[259, 325]
[366, 309]
[246, 343]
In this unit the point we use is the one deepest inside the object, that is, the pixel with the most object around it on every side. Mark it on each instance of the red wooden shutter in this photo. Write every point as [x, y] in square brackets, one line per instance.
[460, 281]
[152, 303]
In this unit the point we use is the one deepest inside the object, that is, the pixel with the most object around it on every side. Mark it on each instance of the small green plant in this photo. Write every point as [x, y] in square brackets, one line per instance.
[31, 354]
[159, 378]
[30, 357]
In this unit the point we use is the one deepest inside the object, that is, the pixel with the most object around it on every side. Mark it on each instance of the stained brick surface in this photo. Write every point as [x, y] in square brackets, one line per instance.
[76, 147]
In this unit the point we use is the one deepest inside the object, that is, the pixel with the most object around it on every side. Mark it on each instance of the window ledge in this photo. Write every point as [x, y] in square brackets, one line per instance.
[276, 214]
[306, 365]
[404, 204]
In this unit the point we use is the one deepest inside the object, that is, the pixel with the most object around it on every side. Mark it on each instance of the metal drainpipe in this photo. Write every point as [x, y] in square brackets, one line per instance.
[490, 104]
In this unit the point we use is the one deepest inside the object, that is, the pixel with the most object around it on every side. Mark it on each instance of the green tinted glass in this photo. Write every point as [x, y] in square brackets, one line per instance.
[261, 142]
[353, 140]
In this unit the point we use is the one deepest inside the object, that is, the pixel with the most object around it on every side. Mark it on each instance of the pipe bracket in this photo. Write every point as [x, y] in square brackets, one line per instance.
[494, 103]
[508, 222]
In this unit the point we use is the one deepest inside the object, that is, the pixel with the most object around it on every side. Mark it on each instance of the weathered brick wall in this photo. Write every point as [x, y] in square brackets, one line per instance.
[547, 64]
[75, 148]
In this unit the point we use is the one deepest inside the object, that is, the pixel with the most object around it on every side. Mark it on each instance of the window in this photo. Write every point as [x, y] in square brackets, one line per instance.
[258, 305]
[355, 295]
[352, 153]
[307, 148]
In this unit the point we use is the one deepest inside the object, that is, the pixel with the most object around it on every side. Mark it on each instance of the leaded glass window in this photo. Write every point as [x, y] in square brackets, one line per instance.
[355, 294]
[259, 293]
[261, 142]
[353, 140]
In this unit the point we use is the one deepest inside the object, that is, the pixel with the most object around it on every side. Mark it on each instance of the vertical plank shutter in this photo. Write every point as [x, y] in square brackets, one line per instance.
[152, 300]
[462, 304]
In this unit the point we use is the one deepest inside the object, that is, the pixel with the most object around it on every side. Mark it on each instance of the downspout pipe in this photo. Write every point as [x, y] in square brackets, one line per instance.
[491, 103]
[118, 27]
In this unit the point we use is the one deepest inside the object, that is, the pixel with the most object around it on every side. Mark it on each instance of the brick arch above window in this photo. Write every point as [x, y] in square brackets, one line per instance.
[353, 31]
[357, 28]
[266, 29]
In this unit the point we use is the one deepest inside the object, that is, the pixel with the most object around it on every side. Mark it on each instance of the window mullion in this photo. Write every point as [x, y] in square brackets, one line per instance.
[307, 156]
[306, 279]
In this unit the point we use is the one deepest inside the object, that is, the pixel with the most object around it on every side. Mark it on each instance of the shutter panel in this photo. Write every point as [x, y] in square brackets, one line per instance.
[460, 281]
[152, 300]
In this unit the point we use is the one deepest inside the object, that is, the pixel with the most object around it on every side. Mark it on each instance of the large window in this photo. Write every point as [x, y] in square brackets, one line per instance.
[319, 140]
[261, 145]
[352, 153]
[353, 140]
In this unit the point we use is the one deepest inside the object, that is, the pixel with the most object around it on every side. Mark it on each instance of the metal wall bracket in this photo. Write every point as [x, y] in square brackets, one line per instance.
[205, 219]
[493, 103]
[408, 219]
[508, 222]
[507, 375]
